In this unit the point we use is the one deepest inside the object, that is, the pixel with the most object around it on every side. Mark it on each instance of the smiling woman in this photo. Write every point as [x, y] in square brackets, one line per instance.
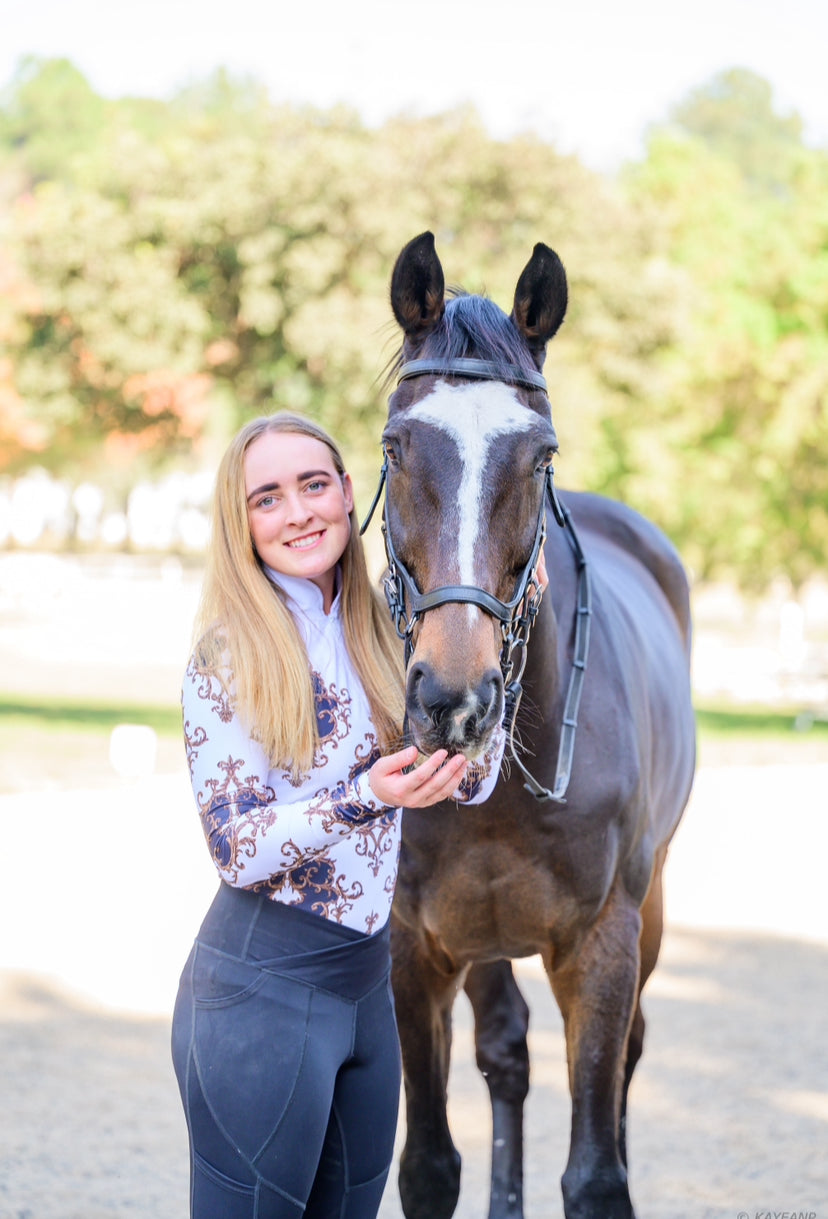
[269, 491]
[284, 1035]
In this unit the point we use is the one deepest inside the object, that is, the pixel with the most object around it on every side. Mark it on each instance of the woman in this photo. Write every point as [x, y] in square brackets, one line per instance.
[284, 1039]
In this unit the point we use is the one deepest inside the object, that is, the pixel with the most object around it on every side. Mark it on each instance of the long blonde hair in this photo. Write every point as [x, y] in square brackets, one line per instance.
[242, 615]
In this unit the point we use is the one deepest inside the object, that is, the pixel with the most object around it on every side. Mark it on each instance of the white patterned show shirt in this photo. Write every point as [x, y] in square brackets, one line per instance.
[326, 844]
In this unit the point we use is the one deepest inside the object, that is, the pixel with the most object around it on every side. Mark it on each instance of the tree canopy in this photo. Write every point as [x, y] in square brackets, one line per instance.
[171, 268]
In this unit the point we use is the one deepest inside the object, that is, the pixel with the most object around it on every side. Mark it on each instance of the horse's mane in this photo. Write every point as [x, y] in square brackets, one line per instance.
[472, 327]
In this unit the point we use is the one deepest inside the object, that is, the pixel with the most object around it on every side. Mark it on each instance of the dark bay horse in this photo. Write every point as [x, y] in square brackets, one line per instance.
[572, 873]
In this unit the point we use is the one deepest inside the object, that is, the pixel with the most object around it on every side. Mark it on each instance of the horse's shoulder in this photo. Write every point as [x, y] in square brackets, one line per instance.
[622, 526]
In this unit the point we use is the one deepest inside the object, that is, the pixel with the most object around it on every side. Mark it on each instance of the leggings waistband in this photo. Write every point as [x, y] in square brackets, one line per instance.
[285, 940]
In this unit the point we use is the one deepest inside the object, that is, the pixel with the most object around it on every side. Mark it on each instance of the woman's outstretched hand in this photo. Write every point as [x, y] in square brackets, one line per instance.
[433, 780]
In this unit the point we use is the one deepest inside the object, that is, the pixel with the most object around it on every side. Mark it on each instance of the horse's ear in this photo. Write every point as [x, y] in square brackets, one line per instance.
[540, 300]
[418, 288]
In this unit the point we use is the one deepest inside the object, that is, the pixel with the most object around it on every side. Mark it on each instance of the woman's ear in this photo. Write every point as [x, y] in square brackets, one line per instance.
[348, 492]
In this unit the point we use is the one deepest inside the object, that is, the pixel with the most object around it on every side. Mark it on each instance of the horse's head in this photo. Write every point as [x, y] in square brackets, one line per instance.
[468, 444]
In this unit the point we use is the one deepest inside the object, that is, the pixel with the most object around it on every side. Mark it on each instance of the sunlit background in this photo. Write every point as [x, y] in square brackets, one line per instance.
[199, 210]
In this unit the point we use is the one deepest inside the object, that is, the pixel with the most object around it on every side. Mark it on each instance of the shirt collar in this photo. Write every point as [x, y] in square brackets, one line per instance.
[304, 594]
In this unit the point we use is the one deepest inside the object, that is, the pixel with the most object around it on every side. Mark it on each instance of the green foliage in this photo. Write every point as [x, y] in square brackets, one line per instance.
[748, 437]
[170, 269]
[734, 115]
[50, 114]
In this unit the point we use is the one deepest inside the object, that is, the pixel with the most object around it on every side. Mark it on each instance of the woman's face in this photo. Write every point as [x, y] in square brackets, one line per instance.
[298, 507]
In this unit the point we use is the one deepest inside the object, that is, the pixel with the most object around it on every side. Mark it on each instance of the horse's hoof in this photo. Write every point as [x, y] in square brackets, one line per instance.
[605, 1194]
[429, 1189]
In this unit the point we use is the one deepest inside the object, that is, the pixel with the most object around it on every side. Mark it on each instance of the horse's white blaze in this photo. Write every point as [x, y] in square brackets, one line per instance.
[473, 416]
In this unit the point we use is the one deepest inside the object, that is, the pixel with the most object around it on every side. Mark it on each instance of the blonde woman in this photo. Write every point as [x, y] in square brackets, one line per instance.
[284, 1038]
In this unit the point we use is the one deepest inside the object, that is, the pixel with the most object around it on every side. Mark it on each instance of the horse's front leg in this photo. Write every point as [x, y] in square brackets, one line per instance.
[596, 987]
[429, 1178]
[501, 1019]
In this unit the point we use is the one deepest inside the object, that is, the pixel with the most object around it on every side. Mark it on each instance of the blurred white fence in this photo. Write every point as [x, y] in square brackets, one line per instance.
[770, 652]
[37, 510]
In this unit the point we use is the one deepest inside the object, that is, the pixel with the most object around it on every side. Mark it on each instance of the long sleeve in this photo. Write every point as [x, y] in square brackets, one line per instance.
[324, 842]
[483, 773]
[252, 832]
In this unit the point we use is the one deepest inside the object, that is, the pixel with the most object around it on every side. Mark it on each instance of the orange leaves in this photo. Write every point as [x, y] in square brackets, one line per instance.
[164, 392]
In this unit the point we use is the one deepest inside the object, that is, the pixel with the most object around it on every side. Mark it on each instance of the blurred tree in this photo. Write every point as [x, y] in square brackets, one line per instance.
[218, 262]
[733, 114]
[221, 100]
[49, 114]
[180, 266]
[254, 256]
[108, 345]
[746, 437]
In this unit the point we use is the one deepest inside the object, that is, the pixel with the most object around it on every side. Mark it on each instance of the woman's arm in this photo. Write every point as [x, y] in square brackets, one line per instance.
[250, 833]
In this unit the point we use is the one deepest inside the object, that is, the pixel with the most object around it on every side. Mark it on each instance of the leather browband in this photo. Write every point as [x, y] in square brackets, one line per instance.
[478, 370]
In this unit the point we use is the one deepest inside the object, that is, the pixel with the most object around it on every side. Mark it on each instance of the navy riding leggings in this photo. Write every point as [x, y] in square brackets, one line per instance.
[285, 1048]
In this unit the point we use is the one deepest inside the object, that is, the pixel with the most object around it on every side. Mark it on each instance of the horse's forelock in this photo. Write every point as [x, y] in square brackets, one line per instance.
[475, 327]
[472, 327]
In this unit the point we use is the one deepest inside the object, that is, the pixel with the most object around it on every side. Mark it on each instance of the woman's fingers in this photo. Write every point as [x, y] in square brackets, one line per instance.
[434, 779]
[540, 568]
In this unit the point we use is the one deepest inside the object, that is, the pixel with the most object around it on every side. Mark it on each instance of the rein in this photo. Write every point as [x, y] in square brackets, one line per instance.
[516, 616]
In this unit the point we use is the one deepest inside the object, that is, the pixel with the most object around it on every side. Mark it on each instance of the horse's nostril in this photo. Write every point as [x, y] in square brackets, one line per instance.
[491, 704]
[457, 718]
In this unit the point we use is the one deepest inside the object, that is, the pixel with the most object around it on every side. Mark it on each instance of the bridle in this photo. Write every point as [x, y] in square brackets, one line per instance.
[517, 615]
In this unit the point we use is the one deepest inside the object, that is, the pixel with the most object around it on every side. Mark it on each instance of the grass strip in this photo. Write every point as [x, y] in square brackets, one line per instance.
[86, 717]
[753, 722]
[717, 722]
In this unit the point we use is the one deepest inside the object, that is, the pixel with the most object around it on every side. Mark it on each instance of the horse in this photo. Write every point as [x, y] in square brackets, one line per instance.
[565, 858]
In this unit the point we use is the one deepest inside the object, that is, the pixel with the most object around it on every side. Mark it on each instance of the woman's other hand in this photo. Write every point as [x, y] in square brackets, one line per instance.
[435, 779]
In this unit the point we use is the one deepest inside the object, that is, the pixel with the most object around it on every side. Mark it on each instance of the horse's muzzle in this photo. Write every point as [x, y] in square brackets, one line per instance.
[461, 721]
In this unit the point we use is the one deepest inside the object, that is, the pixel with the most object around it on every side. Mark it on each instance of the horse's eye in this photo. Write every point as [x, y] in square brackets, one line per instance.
[390, 452]
[546, 461]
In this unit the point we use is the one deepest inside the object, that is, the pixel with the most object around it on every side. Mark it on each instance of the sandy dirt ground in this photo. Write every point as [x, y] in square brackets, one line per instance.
[104, 885]
[103, 890]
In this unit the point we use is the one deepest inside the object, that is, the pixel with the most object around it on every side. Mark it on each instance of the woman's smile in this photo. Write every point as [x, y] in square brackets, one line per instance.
[304, 543]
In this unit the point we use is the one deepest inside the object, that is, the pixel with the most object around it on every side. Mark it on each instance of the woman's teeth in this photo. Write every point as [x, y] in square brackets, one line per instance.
[302, 543]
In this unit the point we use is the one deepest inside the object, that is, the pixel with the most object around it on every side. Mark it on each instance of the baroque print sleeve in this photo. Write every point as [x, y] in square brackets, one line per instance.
[253, 831]
[482, 774]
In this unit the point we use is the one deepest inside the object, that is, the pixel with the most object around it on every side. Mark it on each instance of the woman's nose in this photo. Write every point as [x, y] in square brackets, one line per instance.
[298, 510]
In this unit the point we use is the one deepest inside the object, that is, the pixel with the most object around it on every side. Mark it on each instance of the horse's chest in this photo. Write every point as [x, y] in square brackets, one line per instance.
[486, 900]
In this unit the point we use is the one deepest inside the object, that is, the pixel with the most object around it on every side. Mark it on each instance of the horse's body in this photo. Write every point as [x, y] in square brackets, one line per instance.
[578, 882]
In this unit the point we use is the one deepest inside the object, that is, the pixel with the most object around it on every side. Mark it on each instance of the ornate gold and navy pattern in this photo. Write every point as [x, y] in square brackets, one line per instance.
[324, 842]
